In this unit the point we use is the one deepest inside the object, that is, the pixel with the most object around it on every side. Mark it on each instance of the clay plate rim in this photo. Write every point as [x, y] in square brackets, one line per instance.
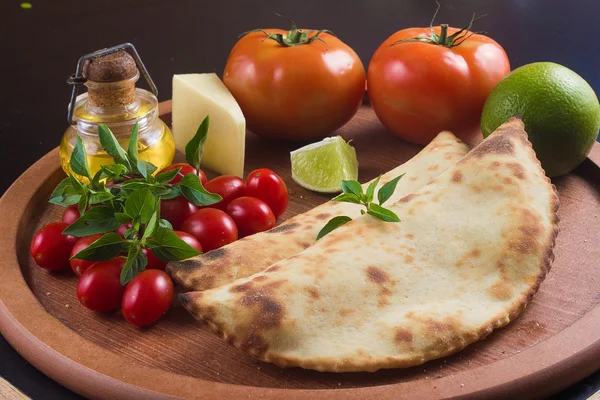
[94, 371]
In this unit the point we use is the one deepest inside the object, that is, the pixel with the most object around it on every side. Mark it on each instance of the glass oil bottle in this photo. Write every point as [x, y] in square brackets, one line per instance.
[110, 76]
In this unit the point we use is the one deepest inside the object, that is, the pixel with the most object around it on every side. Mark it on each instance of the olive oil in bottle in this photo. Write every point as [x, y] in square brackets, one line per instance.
[113, 99]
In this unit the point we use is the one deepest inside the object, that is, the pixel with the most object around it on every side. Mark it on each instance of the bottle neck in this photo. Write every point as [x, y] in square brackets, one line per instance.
[111, 99]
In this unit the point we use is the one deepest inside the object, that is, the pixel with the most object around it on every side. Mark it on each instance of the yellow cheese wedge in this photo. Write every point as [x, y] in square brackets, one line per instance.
[194, 97]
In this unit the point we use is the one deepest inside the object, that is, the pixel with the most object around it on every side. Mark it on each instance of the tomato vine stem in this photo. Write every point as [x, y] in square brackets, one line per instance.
[443, 39]
[294, 36]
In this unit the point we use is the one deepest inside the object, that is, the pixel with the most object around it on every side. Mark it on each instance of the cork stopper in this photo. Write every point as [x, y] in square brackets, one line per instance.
[113, 67]
[111, 80]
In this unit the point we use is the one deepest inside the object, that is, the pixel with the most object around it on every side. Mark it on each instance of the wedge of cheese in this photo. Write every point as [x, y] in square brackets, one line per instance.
[194, 97]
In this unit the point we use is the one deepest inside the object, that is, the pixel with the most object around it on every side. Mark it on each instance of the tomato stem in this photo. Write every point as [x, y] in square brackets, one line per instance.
[443, 33]
[443, 39]
[294, 36]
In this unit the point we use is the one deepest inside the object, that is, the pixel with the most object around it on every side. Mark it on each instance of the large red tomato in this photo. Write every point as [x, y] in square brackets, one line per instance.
[294, 88]
[421, 87]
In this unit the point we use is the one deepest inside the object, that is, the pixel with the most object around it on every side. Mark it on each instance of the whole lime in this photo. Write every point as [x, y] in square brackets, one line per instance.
[559, 108]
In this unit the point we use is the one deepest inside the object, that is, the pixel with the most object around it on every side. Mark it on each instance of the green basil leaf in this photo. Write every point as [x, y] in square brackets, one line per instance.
[387, 190]
[136, 263]
[78, 161]
[151, 226]
[98, 176]
[168, 176]
[167, 246]
[135, 184]
[192, 189]
[99, 219]
[132, 149]
[352, 187]
[169, 193]
[145, 168]
[114, 171]
[82, 205]
[371, 190]
[64, 194]
[113, 148]
[140, 204]
[333, 223]
[383, 213]
[78, 186]
[107, 247]
[96, 197]
[163, 223]
[130, 233]
[123, 218]
[195, 147]
[347, 198]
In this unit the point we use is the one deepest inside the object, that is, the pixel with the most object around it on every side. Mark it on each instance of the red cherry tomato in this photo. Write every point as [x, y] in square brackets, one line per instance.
[50, 248]
[189, 239]
[251, 215]
[153, 261]
[156, 263]
[147, 297]
[228, 186]
[267, 186]
[80, 266]
[71, 214]
[213, 228]
[176, 210]
[123, 228]
[99, 288]
[185, 169]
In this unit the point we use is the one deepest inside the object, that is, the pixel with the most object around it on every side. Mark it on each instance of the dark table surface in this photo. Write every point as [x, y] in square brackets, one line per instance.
[39, 48]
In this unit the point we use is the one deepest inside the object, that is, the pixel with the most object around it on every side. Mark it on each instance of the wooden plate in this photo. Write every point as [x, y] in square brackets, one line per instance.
[553, 344]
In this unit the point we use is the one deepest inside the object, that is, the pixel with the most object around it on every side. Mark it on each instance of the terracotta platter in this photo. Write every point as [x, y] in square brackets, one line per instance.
[554, 343]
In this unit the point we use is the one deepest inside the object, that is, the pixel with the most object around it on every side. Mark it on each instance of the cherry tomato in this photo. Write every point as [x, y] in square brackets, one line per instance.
[251, 215]
[123, 228]
[324, 80]
[212, 227]
[267, 186]
[80, 266]
[99, 288]
[419, 89]
[156, 263]
[71, 214]
[228, 186]
[176, 210]
[147, 297]
[185, 169]
[50, 248]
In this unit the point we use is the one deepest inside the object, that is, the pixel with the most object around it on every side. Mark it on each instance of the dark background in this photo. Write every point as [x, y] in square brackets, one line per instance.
[39, 49]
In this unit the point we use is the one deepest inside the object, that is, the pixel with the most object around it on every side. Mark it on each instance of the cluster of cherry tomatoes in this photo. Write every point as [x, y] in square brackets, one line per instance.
[247, 208]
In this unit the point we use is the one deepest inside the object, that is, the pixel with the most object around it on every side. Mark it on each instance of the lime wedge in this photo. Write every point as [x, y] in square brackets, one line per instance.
[320, 166]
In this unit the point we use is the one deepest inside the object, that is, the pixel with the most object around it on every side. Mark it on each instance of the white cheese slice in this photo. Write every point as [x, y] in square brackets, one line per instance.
[194, 97]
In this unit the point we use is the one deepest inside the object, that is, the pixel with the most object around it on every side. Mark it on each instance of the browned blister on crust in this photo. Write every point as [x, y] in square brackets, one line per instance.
[240, 259]
[400, 294]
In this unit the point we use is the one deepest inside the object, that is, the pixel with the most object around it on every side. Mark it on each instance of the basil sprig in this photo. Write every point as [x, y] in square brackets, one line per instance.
[352, 192]
[128, 192]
